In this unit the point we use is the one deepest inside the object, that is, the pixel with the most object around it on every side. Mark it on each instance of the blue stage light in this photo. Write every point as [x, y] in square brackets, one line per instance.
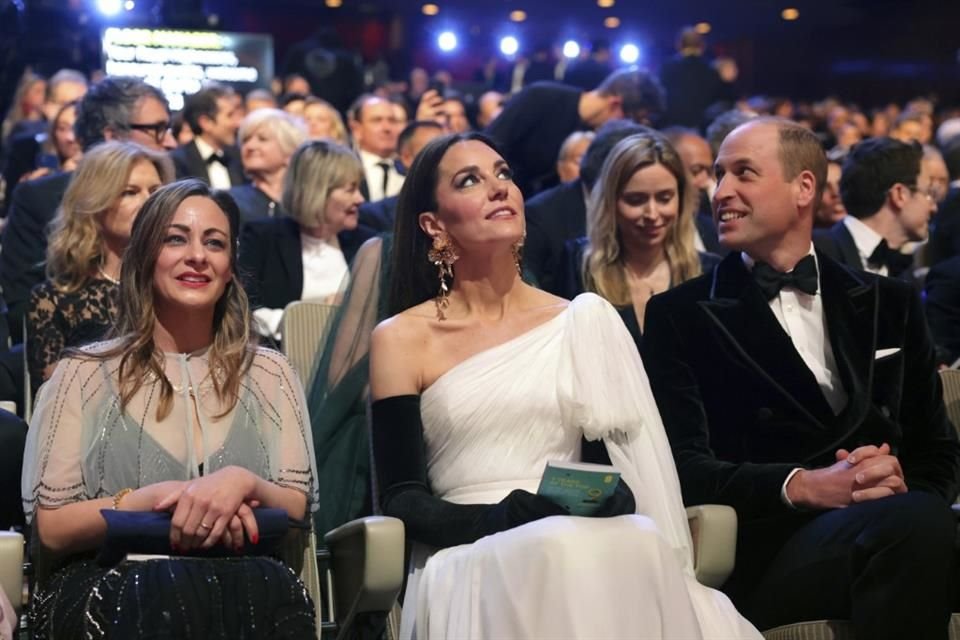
[630, 53]
[109, 7]
[447, 41]
[571, 49]
[509, 45]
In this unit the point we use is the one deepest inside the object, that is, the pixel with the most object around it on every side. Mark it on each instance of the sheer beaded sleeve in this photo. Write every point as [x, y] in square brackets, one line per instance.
[295, 465]
[52, 465]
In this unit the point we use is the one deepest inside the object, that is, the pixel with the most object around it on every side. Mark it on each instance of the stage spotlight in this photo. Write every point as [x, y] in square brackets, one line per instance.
[571, 49]
[129, 5]
[509, 45]
[629, 53]
[447, 41]
[109, 7]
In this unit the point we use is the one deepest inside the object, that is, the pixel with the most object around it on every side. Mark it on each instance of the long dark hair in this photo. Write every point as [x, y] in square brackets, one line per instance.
[231, 353]
[414, 279]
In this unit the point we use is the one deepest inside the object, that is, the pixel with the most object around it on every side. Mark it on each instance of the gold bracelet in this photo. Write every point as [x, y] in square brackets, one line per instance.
[120, 496]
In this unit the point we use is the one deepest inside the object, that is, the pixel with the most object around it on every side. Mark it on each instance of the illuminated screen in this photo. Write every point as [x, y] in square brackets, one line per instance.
[180, 62]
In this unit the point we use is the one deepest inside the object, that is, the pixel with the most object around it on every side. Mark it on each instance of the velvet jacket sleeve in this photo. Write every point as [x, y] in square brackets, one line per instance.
[753, 489]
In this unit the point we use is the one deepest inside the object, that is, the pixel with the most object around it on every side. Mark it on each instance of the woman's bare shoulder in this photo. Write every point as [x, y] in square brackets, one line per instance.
[407, 327]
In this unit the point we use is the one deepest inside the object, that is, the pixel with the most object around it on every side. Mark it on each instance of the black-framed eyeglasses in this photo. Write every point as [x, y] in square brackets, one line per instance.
[158, 130]
[927, 193]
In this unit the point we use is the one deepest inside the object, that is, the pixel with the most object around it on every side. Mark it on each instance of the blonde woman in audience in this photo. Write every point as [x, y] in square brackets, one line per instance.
[305, 256]
[268, 137]
[27, 104]
[324, 121]
[77, 303]
[640, 229]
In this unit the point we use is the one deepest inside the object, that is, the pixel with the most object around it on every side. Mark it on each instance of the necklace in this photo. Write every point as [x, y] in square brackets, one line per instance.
[106, 276]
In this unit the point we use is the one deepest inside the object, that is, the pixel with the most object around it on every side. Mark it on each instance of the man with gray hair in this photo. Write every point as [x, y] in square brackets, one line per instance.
[116, 108]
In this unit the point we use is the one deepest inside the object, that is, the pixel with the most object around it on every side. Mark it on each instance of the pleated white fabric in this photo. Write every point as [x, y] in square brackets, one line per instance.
[490, 425]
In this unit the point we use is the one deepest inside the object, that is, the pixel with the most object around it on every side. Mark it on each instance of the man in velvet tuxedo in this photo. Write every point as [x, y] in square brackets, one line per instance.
[213, 114]
[886, 189]
[804, 394]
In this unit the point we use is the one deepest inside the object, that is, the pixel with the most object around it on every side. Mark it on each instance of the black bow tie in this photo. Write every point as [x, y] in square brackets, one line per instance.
[895, 262]
[217, 157]
[803, 277]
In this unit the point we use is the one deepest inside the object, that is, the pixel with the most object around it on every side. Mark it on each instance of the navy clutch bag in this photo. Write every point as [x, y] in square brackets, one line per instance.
[148, 532]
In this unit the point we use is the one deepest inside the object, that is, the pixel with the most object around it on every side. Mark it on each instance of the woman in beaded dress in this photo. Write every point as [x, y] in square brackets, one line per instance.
[474, 389]
[77, 302]
[182, 412]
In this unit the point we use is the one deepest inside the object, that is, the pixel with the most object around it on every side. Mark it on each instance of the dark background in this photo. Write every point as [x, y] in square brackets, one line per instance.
[866, 51]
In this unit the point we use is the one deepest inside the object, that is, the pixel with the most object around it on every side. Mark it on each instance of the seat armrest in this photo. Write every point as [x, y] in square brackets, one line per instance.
[713, 529]
[367, 560]
[11, 568]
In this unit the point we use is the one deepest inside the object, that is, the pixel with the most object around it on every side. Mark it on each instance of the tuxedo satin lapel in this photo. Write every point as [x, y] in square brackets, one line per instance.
[195, 161]
[739, 309]
[850, 306]
[846, 246]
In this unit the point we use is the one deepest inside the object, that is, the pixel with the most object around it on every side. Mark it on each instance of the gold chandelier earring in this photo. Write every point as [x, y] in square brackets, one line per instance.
[443, 255]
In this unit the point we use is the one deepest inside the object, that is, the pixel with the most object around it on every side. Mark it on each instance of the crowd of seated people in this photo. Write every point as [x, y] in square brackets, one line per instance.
[747, 305]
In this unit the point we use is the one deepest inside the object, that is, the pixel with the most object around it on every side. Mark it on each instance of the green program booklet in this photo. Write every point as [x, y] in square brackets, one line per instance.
[579, 487]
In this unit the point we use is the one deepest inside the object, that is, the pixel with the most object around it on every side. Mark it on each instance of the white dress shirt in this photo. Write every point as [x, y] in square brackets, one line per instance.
[373, 171]
[801, 317]
[866, 240]
[325, 273]
[216, 171]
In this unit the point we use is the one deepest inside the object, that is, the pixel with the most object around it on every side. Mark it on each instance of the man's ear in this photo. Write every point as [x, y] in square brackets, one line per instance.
[430, 224]
[205, 122]
[897, 196]
[806, 184]
[615, 107]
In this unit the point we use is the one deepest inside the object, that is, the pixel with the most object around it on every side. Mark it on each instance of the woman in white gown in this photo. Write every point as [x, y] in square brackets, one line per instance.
[475, 388]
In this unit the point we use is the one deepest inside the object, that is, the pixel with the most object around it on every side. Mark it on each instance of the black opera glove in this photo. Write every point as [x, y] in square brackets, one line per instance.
[519, 507]
[400, 460]
[620, 503]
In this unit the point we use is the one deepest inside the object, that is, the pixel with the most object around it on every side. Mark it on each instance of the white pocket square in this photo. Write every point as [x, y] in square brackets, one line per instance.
[883, 353]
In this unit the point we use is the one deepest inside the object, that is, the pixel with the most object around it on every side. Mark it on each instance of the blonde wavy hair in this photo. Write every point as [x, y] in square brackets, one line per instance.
[234, 345]
[603, 269]
[75, 248]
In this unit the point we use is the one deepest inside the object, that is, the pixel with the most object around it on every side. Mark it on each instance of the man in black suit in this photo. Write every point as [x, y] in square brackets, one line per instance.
[945, 234]
[380, 214]
[942, 304]
[536, 121]
[885, 188]
[213, 114]
[805, 395]
[559, 214]
[116, 108]
[691, 83]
